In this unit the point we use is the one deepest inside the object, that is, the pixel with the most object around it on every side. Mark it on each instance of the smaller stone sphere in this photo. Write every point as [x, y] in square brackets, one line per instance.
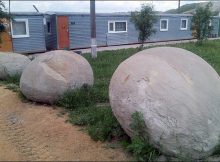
[178, 94]
[12, 64]
[48, 76]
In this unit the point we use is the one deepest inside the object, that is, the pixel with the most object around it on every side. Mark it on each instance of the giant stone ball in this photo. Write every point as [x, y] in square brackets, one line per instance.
[178, 94]
[12, 64]
[48, 76]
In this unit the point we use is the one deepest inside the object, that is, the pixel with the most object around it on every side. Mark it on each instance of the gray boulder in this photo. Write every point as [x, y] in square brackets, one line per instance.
[12, 64]
[48, 76]
[178, 94]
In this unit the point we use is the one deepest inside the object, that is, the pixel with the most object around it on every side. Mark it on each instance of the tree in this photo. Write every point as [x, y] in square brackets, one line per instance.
[201, 23]
[144, 21]
[3, 15]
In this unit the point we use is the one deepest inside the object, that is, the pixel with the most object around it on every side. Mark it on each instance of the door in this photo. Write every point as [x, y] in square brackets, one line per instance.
[5, 38]
[63, 32]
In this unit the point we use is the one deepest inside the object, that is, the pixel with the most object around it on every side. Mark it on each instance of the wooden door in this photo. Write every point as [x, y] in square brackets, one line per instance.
[6, 41]
[63, 32]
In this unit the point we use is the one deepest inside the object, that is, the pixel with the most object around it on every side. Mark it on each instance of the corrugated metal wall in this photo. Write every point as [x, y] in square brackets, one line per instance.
[79, 30]
[215, 24]
[36, 41]
[51, 38]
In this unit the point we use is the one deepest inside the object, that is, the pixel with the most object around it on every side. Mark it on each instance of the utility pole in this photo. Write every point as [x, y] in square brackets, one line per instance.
[178, 6]
[9, 7]
[93, 29]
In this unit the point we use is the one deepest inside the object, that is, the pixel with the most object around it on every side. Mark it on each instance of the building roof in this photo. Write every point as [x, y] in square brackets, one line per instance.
[97, 14]
[27, 13]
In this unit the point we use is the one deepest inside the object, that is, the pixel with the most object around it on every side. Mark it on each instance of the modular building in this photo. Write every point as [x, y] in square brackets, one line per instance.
[26, 33]
[72, 30]
[39, 32]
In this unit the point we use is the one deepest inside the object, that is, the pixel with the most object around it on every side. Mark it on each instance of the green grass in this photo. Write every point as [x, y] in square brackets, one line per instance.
[12, 83]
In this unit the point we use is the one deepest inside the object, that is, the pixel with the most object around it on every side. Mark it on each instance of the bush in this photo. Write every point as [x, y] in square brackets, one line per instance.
[201, 23]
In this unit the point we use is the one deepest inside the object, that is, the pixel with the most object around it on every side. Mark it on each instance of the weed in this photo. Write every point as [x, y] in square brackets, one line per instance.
[12, 82]
[73, 99]
[140, 144]
[15, 79]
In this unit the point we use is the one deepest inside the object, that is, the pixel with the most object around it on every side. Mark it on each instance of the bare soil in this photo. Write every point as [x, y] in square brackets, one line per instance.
[36, 132]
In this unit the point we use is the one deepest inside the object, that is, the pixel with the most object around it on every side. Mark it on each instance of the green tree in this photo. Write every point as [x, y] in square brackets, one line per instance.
[3, 15]
[201, 23]
[144, 21]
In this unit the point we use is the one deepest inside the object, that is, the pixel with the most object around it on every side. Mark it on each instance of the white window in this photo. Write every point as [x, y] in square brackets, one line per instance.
[48, 27]
[163, 24]
[117, 26]
[184, 24]
[20, 28]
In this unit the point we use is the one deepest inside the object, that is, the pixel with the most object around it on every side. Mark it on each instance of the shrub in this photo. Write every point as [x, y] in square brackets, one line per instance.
[201, 22]
[144, 21]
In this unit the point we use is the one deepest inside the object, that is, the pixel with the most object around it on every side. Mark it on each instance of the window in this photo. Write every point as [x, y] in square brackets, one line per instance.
[184, 24]
[111, 26]
[210, 22]
[19, 28]
[48, 27]
[164, 25]
[117, 26]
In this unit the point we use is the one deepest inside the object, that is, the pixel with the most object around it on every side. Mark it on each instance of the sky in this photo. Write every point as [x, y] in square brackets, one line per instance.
[84, 6]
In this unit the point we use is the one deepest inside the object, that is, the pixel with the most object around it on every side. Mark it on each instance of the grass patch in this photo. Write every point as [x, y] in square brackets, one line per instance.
[82, 97]
[12, 82]
[140, 142]
[99, 121]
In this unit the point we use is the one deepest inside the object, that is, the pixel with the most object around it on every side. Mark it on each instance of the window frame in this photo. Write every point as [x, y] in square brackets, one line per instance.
[167, 24]
[115, 21]
[186, 24]
[26, 26]
[210, 22]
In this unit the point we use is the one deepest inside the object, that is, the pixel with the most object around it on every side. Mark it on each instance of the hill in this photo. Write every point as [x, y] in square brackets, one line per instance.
[190, 8]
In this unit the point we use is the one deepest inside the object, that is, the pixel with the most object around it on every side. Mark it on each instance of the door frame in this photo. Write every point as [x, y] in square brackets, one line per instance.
[57, 31]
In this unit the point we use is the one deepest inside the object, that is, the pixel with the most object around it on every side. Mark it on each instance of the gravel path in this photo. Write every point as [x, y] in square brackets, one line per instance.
[36, 132]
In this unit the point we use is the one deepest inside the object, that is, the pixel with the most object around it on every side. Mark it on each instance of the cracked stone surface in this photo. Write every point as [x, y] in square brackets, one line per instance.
[12, 64]
[178, 94]
[51, 74]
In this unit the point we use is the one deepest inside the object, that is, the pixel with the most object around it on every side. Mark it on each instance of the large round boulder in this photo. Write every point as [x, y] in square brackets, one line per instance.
[12, 64]
[178, 94]
[48, 76]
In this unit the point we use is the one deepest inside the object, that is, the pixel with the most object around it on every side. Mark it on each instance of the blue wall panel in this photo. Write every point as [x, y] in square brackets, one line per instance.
[79, 30]
[36, 41]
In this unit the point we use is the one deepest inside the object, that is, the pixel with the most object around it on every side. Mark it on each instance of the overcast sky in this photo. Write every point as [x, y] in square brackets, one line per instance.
[83, 6]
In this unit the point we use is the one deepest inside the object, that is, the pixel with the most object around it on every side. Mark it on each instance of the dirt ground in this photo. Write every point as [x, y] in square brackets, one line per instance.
[36, 132]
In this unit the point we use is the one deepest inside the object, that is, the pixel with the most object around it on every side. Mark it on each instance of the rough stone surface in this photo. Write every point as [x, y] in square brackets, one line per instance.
[48, 76]
[178, 94]
[12, 64]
